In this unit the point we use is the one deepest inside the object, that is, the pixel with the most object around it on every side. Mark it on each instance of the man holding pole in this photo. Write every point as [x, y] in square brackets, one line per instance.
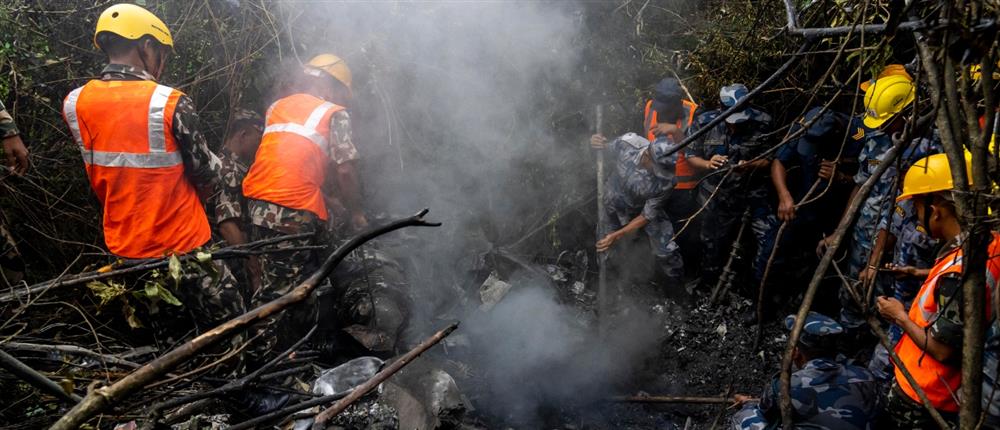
[636, 191]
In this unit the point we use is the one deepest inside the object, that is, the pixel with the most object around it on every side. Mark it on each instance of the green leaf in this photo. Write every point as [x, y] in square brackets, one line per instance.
[152, 289]
[203, 256]
[174, 267]
[169, 297]
[106, 291]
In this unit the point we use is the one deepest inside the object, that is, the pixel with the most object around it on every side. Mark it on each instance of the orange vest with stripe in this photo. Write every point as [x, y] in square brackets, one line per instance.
[686, 177]
[940, 381]
[291, 162]
[123, 130]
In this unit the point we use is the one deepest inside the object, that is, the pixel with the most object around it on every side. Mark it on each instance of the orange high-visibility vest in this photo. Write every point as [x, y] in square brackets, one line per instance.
[291, 161]
[123, 129]
[939, 380]
[685, 174]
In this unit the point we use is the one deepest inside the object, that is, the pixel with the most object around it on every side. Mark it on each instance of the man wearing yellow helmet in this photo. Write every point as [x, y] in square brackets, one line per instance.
[145, 158]
[885, 99]
[303, 170]
[932, 339]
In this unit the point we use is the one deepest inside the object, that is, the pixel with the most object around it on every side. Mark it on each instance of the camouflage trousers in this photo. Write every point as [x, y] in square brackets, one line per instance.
[669, 262]
[721, 223]
[282, 272]
[209, 296]
[862, 238]
[903, 413]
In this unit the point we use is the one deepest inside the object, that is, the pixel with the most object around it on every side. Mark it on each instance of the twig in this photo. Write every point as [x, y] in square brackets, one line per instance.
[36, 379]
[69, 349]
[672, 399]
[99, 399]
[382, 375]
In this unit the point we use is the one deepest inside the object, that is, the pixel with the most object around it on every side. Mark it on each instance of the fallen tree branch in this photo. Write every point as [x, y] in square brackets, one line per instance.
[99, 399]
[823, 32]
[71, 350]
[135, 266]
[382, 375]
[37, 380]
[673, 399]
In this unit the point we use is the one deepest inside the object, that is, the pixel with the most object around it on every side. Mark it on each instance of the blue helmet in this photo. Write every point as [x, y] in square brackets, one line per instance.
[730, 95]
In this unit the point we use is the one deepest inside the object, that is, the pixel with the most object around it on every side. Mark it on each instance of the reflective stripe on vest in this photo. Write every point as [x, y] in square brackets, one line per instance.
[157, 157]
[307, 130]
[290, 166]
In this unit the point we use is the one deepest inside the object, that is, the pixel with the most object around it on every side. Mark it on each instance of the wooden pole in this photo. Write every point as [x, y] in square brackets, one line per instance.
[36, 379]
[602, 257]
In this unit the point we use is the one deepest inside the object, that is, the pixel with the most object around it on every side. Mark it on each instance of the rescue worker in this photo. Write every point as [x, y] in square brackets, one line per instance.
[238, 151]
[822, 160]
[912, 255]
[146, 159]
[307, 137]
[636, 194]
[741, 186]
[884, 100]
[16, 156]
[669, 106]
[931, 345]
[826, 394]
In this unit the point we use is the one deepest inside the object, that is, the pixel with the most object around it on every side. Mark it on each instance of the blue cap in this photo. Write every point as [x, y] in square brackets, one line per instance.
[668, 96]
[730, 95]
[818, 331]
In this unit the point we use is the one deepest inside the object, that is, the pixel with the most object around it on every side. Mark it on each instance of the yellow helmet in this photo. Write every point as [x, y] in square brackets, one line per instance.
[331, 65]
[887, 97]
[132, 22]
[930, 175]
[889, 70]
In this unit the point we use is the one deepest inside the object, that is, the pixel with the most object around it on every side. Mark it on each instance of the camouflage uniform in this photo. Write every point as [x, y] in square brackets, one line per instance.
[229, 202]
[877, 208]
[825, 394]
[10, 258]
[211, 297]
[7, 126]
[633, 190]
[736, 193]
[914, 247]
[283, 271]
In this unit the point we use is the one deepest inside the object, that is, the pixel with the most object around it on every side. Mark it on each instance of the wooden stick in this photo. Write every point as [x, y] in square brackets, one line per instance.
[673, 399]
[36, 379]
[101, 398]
[71, 350]
[602, 258]
[382, 375]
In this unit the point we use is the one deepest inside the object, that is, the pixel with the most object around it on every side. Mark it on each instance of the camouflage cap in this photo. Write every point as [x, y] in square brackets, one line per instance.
[818, 331]
[729, 95]
[241, 114]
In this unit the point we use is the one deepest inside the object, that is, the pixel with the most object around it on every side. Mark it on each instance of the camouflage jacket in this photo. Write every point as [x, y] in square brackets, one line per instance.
[7, 126]
[742, 146]
[229, 201]
[201, 165]
[825, 395]
[914, 247]
[632, 189]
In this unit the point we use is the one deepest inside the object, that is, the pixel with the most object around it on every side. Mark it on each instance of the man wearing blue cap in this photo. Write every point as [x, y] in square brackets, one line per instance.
[637, 191]
[734, 182]
[825, 394]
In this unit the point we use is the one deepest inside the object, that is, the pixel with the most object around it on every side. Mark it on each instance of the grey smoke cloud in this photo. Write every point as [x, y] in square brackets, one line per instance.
[455, 106]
